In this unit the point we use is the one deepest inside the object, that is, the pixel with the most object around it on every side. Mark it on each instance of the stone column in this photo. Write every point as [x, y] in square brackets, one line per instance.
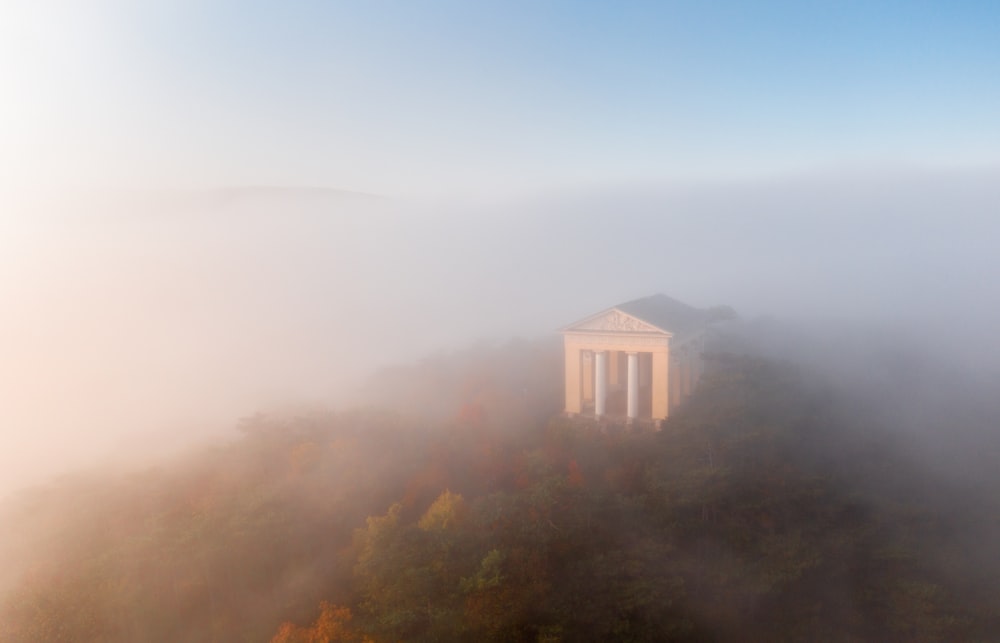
[600, 382]
[633, 385]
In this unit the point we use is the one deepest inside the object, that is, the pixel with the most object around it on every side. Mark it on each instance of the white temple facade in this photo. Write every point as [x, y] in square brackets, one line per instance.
[636, 360]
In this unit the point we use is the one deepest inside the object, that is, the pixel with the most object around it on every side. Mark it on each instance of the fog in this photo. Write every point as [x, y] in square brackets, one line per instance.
[134, 324]
[281, 288]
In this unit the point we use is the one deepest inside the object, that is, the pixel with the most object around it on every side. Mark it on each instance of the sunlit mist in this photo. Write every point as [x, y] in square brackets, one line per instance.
[282, 288]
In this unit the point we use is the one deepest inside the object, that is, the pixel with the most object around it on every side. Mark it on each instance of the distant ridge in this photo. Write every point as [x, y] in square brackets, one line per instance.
[147, 200]
[281, 191]
[251, 194]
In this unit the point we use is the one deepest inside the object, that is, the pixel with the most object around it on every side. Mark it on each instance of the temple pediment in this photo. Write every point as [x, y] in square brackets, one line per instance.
[657, 314]
[615, 320]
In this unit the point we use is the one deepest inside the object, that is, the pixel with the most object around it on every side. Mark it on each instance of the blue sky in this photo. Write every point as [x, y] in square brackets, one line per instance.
[443, 98]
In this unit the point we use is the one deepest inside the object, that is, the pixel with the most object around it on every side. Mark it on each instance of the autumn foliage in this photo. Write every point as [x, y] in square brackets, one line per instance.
[332, 626]
[762, 512]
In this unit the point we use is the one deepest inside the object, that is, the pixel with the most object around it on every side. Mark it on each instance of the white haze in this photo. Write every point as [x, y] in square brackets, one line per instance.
[135, 324]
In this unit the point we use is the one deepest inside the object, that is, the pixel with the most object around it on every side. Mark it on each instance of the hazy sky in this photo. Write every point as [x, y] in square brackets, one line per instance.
[546, 159]
[446, 98]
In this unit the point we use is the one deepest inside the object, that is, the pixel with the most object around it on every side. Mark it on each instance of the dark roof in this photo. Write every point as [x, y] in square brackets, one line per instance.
[667, 314]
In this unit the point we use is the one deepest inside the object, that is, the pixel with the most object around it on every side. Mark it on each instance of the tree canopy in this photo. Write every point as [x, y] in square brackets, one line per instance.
[766, 510]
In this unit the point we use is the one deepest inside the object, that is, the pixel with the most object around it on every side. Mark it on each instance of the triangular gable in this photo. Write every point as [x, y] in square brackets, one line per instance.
[616, 321]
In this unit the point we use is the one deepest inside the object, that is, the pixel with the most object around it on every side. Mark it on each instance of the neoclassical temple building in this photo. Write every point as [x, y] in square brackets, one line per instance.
[636, 360]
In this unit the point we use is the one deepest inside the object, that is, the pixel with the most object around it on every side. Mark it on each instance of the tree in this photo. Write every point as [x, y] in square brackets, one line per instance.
[332, 626]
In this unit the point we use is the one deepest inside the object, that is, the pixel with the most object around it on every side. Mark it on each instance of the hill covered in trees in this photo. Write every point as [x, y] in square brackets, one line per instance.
[777, 504]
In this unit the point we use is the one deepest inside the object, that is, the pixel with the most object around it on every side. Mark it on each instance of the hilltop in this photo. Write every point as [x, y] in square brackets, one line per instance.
[773, 506]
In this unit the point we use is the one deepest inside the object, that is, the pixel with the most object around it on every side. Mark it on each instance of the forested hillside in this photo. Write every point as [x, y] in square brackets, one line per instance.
[774, 506]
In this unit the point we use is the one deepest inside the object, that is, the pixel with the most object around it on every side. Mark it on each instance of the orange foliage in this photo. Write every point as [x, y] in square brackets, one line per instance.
[332, 626]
